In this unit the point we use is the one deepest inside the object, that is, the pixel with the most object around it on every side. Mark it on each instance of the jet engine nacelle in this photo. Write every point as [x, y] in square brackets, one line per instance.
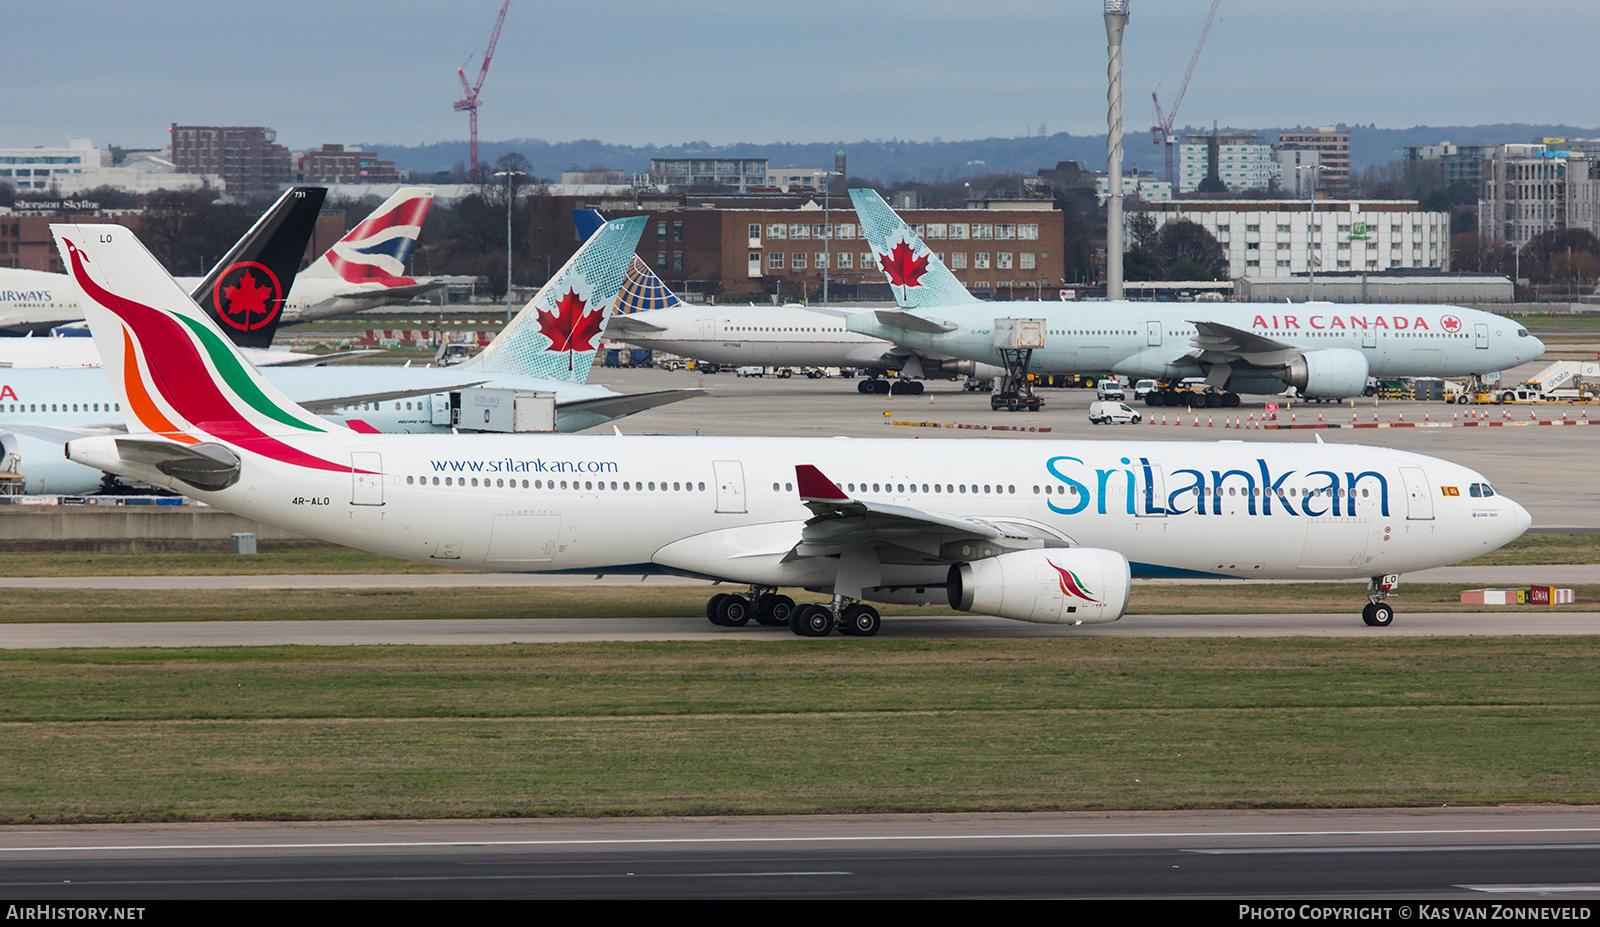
[1060, 586]
[1337, 373]
[953, 367]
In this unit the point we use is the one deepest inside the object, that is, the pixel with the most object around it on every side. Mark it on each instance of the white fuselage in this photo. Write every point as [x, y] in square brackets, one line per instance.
[728, 508]
[80, 397]
[788, 336]
[1154, 339]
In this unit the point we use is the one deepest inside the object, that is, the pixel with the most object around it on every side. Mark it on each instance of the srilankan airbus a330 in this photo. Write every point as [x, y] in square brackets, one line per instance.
[1047, 531]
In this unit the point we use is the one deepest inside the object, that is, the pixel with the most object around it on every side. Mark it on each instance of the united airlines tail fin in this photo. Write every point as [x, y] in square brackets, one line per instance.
[244, 292]
[177, 376]
[376, 250]
[557, 333]
[642, 290]
[916, 275]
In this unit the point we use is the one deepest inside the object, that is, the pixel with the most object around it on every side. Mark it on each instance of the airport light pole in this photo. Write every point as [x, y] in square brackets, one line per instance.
[1116, 14]
[827, 228]
[511, 186]
[1312, 258]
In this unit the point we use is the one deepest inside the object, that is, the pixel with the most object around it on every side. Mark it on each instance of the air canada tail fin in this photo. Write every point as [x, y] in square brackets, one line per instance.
[916, 275]
[176, 374]
[376, 250]
[244, 292]
[642, 290]
[557, 333]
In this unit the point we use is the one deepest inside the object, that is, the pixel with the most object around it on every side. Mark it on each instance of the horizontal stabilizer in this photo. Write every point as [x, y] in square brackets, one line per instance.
[328, 404]
[622, 325]
[391, 293]
[913, 323]
[629, 403]
[205, 466]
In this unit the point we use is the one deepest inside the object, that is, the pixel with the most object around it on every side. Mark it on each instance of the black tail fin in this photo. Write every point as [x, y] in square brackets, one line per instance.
[245, 291]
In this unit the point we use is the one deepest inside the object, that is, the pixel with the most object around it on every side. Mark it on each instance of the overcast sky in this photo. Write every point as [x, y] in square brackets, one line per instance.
[636, 72]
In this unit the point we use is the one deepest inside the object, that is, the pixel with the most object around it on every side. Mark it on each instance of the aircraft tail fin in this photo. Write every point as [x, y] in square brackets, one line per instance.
[376, 250]
[176, 374]
[642, 290]
[915, 274]
[558, 332]
[244, 292]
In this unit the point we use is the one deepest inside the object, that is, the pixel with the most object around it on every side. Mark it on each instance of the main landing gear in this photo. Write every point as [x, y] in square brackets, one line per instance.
[1378, 613]
[761, 603]
[767, 607]
[1209, 399]
[881, 387]
[855, 619]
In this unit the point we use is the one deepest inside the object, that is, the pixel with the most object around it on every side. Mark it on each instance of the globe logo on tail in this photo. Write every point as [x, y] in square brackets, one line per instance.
[248, 296]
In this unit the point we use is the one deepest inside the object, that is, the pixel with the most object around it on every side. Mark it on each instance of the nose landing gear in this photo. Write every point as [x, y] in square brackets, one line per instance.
[1378, 613]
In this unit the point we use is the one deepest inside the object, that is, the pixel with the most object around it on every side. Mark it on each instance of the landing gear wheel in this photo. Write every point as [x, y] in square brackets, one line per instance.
[861, 621]
[1378, 615]
[812, 621]
[1230, 400]
[774, 610]
[916, 387]
[713, 606]
[734, 611]
[864, 387]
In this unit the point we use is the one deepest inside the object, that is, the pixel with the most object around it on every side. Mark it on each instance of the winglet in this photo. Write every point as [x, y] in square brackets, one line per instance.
[815, 486]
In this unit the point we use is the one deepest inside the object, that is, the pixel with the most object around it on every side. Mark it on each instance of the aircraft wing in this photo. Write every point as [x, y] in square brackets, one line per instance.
[629, 403]
[325, 404]
[840, 524]
[620, 326]
[1218, 343]
[913, 322]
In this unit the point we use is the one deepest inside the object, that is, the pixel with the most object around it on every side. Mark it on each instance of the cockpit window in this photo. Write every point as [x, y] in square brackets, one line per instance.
[1480, 490]
[1487, 490]
[1522, 333]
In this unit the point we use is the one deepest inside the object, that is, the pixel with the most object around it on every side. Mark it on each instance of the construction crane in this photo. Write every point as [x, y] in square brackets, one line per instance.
[1162, 130]
[469, 100]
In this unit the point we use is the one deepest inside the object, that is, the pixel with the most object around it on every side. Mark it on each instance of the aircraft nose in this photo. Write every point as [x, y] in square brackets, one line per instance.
[1535, 349]
[1520, 519]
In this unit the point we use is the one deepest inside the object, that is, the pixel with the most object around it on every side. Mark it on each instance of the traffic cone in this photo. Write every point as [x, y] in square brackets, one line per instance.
[1208, 421]
[1319, 415]
[1402, 416]
[1163, 418]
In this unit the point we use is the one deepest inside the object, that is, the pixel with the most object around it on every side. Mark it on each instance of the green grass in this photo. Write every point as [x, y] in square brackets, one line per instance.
[802, 727]
[115, 605]
[1543, 548]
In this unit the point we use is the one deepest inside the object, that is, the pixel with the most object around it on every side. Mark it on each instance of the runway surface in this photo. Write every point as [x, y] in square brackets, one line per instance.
[470, 631]
[1507, 856]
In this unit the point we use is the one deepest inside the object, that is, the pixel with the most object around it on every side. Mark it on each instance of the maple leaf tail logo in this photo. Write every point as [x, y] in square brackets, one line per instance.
[569, 328]
[247, 305]
[1071, 585]
[901, 267]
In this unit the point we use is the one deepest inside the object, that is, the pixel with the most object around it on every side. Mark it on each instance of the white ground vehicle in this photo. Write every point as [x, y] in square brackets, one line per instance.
[1142, 388]
[1106, 412]
[1109, 388]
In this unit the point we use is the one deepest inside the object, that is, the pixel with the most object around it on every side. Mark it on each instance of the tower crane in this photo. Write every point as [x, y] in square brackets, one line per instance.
[469, 100]
[1162, 130]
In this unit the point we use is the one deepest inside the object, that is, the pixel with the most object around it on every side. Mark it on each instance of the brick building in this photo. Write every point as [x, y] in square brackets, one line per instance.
[247, 158]
[752, 246]
[337, 164]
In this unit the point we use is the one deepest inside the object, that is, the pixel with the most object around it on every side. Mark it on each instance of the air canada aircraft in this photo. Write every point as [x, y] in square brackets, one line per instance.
[1324, 350]
[548, 348]
[1047, 531]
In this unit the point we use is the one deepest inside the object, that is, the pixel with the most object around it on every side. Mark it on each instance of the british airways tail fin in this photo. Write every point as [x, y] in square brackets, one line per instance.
[176, 374]
[244, 292]
[557, 333]
[916, 275]
[642, 290]
[376, 250]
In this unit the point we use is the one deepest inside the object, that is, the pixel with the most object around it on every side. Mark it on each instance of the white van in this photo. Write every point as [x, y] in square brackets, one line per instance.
[1104, 412]
[1109, 388]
